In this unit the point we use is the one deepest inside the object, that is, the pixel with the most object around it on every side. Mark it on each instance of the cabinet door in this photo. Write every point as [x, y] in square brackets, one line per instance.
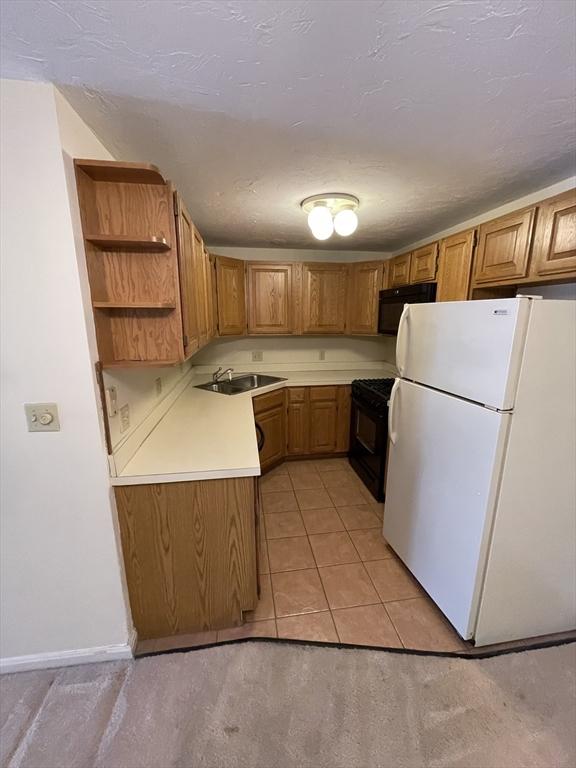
[210, 294]
[231, 296]
[343, 419]
[323, 419]
[399, 271]
[270, 298]
[504, 247]
[324, 298]
[189, 553]
[272, 424]
[455, 266]
[423, 263]
[200, 285]
[185, 238]
[298, 422]
[555, 241]
[365, 284]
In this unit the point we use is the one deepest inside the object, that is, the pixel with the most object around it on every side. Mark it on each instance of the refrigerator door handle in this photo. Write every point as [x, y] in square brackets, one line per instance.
[391, 433]
[401, 341]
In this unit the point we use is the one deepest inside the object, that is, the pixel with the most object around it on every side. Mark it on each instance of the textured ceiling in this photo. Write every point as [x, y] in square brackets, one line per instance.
[429, 112]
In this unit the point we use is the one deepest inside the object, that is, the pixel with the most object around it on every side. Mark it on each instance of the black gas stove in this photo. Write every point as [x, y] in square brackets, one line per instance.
[369, 432]
[374, 393]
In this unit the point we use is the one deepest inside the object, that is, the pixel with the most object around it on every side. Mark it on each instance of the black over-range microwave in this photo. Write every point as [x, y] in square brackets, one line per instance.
[392, 303]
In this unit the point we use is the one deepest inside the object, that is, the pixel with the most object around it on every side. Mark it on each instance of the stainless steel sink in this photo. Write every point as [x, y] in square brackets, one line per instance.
[244, 383]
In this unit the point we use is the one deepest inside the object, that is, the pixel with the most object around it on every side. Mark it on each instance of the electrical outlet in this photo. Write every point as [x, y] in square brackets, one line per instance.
[322, 355]
[124, 418]
[257, 356]
[42, 417]
[158, 384]
[111, 402]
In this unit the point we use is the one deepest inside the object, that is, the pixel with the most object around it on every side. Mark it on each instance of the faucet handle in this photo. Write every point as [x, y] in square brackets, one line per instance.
[215, 374]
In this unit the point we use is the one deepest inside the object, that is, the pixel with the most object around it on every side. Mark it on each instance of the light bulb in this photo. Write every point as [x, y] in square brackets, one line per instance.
[320, 222]
[345, 222]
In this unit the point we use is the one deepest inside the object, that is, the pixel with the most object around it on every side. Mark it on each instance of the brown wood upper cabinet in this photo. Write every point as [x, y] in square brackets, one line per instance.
[210, 267]
[271, 295]
[399, 271]
[195, 282]
[504, 247]
[324, 298]
[231, 296]
[365, 283]
[186, 257]
[555, 239]
[423, 263]
[455, 266]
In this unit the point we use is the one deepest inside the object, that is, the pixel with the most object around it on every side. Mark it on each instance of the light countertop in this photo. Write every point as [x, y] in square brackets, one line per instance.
[206, 435]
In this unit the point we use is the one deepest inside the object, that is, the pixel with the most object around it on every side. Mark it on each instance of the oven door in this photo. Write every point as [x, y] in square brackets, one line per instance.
[368, 438]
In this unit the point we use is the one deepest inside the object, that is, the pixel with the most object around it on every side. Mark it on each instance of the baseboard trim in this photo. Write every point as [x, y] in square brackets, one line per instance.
[120, 652]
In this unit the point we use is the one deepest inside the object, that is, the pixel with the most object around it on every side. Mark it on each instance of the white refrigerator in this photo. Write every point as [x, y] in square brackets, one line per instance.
[481, 482]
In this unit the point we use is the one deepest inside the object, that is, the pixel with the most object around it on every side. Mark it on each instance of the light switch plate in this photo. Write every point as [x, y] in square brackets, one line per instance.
[257, 356]
[42, 417]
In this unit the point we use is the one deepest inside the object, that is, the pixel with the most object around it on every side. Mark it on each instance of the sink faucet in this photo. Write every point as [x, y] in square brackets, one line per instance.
[217, 375]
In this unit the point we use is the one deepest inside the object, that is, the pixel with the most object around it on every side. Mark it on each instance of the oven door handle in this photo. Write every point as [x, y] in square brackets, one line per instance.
[402, 341]
[391, 433]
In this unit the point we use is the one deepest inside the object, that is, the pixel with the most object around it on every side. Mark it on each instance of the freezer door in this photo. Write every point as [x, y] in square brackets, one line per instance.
[442, 480]
[471, 349]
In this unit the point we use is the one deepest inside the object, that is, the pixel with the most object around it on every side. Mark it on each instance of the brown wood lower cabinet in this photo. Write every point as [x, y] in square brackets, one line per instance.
[189, 554]
[270, 418]
[318, 420]
[298, 432]
[323, 423]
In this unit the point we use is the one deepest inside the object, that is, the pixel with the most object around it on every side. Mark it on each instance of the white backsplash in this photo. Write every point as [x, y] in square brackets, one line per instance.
[308, 353]
[136, 388]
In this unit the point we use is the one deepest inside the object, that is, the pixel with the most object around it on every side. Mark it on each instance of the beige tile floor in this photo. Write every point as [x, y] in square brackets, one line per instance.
[327, 574]
[326, 571]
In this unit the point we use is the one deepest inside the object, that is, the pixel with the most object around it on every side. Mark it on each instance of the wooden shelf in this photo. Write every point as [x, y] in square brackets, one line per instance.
[120, 173]
[128, 243]
[134, 305]
[140, 363]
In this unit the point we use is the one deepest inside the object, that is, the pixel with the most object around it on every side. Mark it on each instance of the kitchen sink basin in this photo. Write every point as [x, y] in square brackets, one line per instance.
[244, 383]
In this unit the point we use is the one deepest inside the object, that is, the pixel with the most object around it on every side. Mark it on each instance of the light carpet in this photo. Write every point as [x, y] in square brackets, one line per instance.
[264, 705]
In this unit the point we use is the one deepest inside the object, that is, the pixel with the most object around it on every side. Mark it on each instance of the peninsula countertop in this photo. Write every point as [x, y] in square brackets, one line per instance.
[206, 435]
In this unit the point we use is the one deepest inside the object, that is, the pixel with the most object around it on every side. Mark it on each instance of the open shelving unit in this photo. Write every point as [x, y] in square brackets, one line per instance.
[131, 252]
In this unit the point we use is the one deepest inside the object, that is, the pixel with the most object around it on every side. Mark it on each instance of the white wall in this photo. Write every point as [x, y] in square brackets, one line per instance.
[279, 352]
[61, 581]
[136, 388]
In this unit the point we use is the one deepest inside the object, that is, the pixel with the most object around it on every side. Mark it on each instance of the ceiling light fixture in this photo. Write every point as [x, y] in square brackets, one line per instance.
[329, 212]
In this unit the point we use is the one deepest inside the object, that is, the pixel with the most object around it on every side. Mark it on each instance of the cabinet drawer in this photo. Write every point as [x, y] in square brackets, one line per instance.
[297, 394]
[270, 400]
[323, 393]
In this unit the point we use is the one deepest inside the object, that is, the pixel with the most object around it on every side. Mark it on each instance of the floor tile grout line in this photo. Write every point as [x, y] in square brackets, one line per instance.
[394, 625]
